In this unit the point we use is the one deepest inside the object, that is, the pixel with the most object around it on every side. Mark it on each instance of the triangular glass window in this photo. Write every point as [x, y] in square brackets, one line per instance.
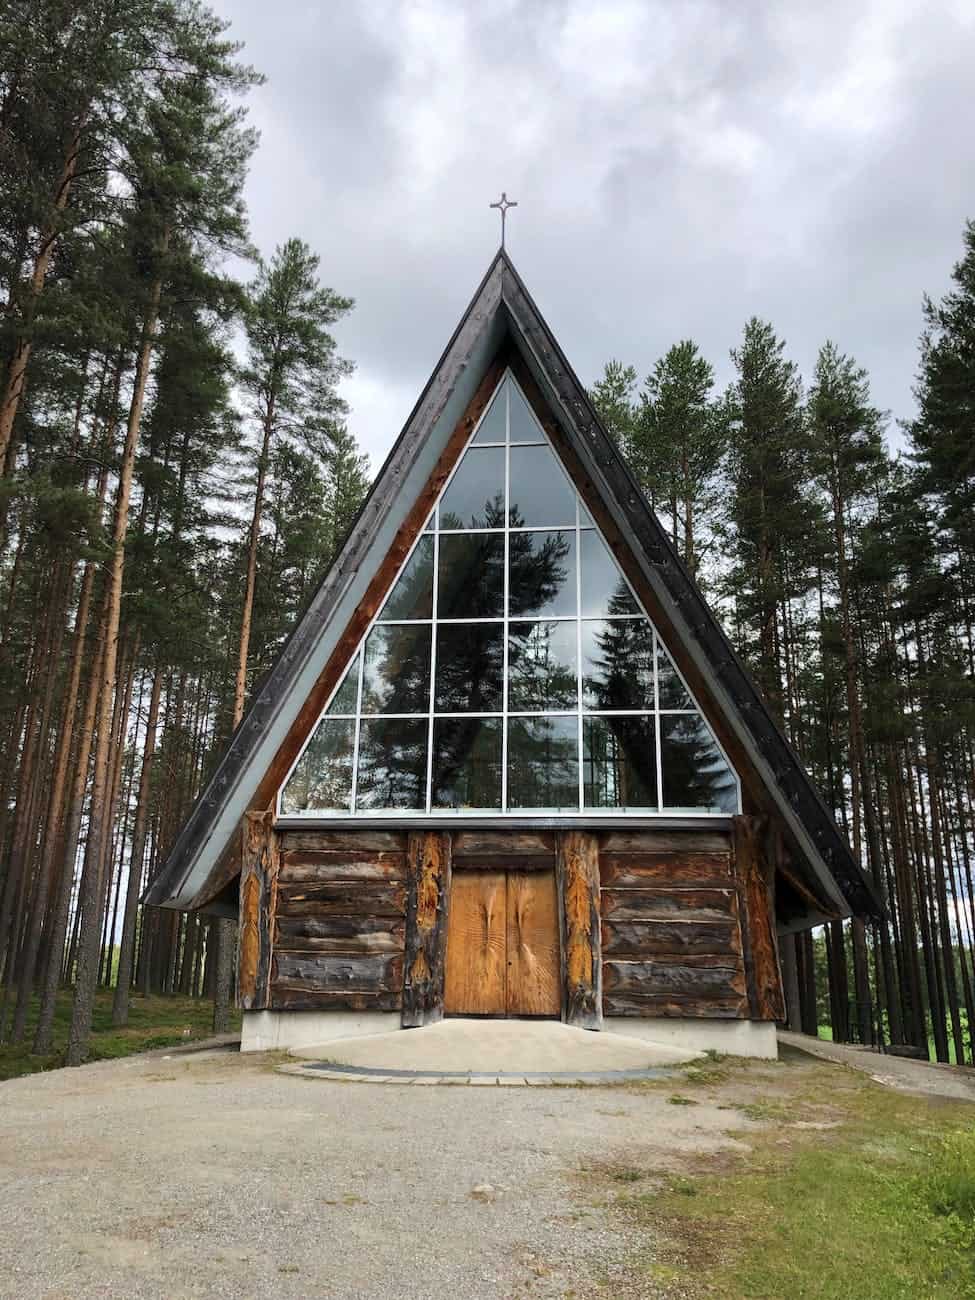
[511, 669]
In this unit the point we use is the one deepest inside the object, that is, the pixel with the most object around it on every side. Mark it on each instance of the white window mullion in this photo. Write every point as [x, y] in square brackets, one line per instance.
[582, 774]
[358, 724]
[433, 656]
[656, 726]
[504, 608]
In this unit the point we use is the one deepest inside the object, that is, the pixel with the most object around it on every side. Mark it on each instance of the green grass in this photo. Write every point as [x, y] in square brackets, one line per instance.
[881, 1207]
[153, 1022]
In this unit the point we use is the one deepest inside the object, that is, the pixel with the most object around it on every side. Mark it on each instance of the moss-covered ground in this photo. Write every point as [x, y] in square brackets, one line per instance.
[153, 1022]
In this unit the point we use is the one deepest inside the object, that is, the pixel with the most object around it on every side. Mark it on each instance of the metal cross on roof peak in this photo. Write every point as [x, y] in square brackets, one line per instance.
[503, 204]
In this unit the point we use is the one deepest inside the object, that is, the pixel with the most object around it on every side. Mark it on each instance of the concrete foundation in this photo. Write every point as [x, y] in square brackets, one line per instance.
[268, 1031]
[755, 1038]
[265, 1031]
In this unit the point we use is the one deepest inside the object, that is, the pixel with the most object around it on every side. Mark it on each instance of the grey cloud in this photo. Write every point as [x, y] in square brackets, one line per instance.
[678, 169]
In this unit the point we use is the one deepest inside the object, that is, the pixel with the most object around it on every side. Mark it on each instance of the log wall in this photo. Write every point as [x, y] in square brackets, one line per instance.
[339, 925]
[652, 923]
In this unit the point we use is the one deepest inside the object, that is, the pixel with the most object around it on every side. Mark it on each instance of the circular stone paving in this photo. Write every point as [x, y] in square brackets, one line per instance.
[491, 1053]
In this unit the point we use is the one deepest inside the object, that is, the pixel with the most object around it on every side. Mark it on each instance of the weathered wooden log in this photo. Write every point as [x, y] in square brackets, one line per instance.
[697, 978]
[666, 938]
[328, 973]
[640, 870]
[286, 998]
[340, 934]
[503, 844]
[756, 875]
[259, 867]
[577, 877]
[351, 842]
[662, 841]
[710, 1008]
[669, 904]
[428, 863]
[342, 898]
[300, 866]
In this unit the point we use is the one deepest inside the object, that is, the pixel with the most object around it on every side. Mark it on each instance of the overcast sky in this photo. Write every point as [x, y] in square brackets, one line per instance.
[678, 166]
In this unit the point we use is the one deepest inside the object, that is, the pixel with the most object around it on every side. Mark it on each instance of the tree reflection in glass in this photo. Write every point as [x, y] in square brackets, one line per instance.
[470, 575]
[396, 670]
[619, 763]
[541, 666]
[412, 594]
[617, 664]
[467, 763]
[392, 763]
[541, 574]
[543, 763]
[694, 771]
[470, 661]
[344, 699]
[322, 779]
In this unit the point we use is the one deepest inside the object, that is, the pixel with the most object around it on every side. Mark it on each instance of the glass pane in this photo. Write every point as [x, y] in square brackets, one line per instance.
[475, 495]
[523, 425]
[491, 428]
[470, 664]
[344, 699]
[539, 492]
[392, 763]
[673, 694]
[322, 779]
[396, 670]
[541, 574]
[467, 763]
[471, 576]
[412, 594]
[694, 773]
[543, 763]
[604, 590]
[617, 664]
[585, 519]
[541, 666]
[619, 760]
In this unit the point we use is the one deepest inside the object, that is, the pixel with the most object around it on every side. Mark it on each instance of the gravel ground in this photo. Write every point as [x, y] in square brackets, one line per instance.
[215, 1175]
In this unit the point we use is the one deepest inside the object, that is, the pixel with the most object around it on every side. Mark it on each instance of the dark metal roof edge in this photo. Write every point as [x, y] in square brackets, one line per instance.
[273, 688]
[795, 786]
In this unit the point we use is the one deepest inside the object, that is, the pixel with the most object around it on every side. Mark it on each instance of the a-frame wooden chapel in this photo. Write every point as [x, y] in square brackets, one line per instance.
[507, 763]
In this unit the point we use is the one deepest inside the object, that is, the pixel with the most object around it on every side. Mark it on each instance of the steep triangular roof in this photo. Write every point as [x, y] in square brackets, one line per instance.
[502, 326]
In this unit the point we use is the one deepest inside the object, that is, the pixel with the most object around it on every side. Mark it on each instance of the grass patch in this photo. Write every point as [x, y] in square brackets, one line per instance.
[153, 1022]
[882, 1207]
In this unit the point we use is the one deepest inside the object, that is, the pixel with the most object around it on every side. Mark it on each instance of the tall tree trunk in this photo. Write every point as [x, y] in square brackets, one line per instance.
[100, 801]
[120, 1002]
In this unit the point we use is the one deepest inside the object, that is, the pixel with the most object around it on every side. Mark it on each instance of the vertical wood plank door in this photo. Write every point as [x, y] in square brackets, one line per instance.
[533, 945]
[503, 945]
[474, 983]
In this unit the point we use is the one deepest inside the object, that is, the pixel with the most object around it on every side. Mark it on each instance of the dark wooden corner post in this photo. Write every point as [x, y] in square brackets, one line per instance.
[577, 875]
[428, 867]
[756, 878]
[258, 881]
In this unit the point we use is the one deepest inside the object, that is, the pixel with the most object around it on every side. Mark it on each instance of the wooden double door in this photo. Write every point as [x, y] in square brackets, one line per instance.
[502, 954]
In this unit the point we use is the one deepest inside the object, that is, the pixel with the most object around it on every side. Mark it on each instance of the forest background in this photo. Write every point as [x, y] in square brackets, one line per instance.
[177, 471]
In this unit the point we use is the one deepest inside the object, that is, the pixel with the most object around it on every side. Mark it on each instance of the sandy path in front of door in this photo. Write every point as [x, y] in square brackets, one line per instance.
[460, 1045]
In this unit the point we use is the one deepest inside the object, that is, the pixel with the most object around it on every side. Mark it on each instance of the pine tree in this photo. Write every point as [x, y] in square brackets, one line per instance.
[679, 444]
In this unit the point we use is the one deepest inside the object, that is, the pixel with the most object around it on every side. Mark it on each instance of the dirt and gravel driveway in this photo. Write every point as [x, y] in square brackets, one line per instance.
[218, 1176]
